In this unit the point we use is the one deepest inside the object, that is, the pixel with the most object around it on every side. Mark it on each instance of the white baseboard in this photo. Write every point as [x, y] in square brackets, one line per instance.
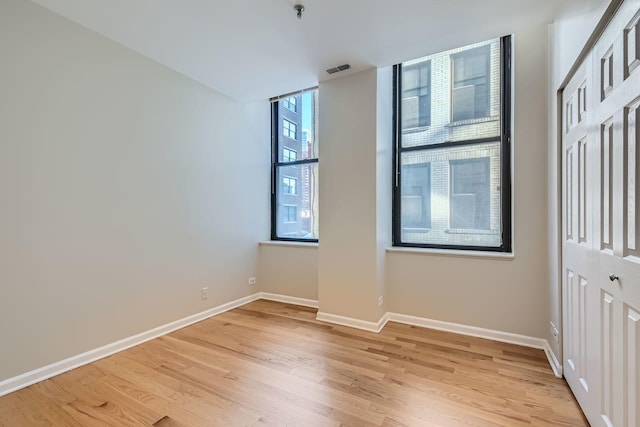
[490, 334]
[472, 331]
[365, 325]
[288, 300]
[556, 366]
[28, 378]
[24, 380]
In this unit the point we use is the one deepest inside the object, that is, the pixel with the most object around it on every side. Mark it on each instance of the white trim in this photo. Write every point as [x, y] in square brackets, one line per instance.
[28, 378]
[294, 244]
[556, 366]
[490, 334]
[502, 256]
[365, 325]
[288, 300]
[471, 331]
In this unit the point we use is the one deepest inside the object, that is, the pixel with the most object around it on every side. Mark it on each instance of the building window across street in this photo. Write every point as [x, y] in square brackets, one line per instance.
[294, 188]
[416, 95]
[290, 103]
[289, 185]
[289, 155]
[290, 214]
[289, 129]
[470, 97]
[452, 187]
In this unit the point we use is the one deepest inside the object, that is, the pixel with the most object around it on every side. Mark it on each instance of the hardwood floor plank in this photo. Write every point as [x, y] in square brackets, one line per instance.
[273, 364]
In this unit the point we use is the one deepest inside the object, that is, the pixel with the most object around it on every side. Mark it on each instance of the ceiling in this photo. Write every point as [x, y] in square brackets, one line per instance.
[255, 49]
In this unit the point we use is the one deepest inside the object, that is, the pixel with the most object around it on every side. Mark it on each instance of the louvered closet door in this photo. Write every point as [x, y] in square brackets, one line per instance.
[601, 227]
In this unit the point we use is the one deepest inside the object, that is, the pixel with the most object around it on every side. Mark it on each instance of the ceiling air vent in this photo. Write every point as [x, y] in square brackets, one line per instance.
[338, 68]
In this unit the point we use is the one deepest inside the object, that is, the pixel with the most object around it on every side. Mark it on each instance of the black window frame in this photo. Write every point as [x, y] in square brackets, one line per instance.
[505, 158]
[276, 164]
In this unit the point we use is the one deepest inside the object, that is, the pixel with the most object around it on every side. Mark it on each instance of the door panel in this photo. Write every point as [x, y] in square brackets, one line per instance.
[632, 365]
[580, 298]
[601, 243]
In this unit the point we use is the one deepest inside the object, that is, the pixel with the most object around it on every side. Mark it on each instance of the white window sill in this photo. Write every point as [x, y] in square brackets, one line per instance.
[453, 253]
[288, 244]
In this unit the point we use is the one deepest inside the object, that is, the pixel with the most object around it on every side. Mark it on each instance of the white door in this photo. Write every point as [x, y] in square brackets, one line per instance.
[601, 225]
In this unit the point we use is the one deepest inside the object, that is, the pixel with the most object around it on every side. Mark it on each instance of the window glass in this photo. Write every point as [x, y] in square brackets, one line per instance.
[295, 167]
[453, 171]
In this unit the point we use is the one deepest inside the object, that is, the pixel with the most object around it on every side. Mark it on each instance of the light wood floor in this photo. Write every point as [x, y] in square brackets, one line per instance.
[269, 363]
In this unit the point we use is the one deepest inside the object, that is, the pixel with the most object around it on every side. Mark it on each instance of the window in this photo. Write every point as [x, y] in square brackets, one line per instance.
[470, 84]
[294, 195]
[290, 103]
[416, 196]
[289, 129]
[452, 149]
[289, 155]
[416, 95]
[289, 185]
[470, 194]
[289, 214]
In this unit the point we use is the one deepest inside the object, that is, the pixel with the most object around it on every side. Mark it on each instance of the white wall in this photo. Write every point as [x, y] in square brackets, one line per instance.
[124, 189]
[347, 255]
[384, 177]
[567, 36]
[288, 269]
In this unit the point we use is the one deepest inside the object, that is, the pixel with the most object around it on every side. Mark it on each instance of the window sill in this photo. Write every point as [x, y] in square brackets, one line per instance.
[416, 129]
[454, 253]
[474, 121]
[289, 244]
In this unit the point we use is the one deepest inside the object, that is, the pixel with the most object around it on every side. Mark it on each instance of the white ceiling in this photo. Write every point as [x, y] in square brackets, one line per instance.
[255, 49]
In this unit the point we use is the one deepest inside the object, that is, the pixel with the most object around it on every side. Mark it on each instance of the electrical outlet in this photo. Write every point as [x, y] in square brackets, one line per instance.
[252, 280]
[380, 301]
[204, 293]
[554, 332]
